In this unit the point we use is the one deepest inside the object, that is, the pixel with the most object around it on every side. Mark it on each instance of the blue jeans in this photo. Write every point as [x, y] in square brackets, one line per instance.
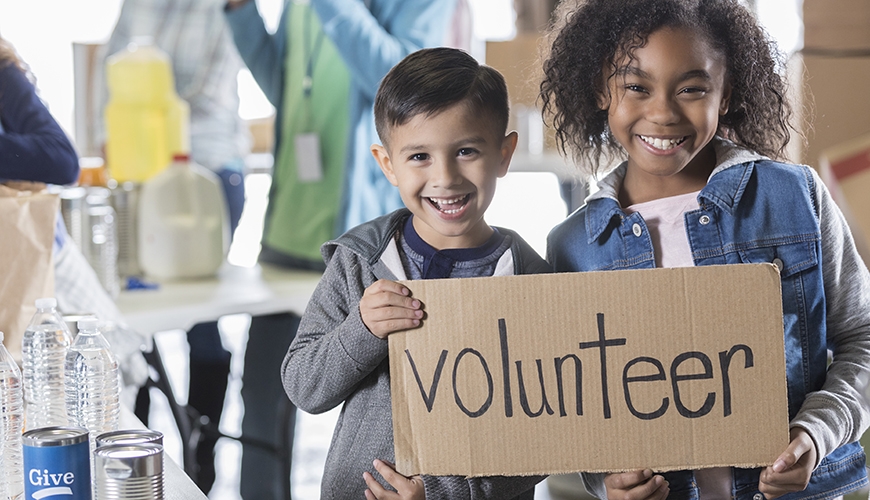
[233, 181]
[209, 360]
[269, 415]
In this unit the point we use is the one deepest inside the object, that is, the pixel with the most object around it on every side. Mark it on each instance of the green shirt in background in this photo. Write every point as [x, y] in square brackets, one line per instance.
[302, 214]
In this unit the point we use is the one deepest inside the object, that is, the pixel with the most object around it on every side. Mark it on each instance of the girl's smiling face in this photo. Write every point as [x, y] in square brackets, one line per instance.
[663, 107]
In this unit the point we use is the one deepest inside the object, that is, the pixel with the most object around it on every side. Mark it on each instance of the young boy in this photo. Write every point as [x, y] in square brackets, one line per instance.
[442, 118]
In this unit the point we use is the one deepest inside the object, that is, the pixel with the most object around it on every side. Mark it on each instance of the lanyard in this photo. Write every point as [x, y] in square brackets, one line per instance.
[310, 55]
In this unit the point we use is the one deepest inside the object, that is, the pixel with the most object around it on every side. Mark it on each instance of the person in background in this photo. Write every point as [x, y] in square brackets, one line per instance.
[688, 95]
[205, 64]
[33, 148]
[321, 70]
[442, 119]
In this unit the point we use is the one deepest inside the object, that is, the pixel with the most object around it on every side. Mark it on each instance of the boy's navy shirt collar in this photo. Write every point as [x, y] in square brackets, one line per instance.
[439, 263]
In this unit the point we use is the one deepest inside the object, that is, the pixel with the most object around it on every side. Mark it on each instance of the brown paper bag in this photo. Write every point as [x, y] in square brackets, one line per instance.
[27, 219]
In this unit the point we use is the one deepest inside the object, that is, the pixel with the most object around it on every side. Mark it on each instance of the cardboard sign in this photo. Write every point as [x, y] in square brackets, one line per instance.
[667, 369]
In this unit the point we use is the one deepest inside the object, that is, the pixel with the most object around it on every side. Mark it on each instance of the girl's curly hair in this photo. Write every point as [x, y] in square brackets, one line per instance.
[587, 36]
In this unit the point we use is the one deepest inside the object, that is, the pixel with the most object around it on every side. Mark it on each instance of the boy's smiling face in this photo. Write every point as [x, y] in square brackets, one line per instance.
[446, 166]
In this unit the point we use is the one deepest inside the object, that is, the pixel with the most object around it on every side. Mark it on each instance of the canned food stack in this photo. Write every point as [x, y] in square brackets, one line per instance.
[91, 221]
[125, 201]
[129, 472]
[100, 244]
[73, 207]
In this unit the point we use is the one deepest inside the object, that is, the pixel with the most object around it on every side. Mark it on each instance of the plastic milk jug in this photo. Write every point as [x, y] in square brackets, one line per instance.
[146, 122]
[183, 222]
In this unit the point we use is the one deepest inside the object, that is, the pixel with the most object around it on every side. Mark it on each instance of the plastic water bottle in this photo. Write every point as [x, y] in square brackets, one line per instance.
[91, 381]
[43, 351]
[11, 416]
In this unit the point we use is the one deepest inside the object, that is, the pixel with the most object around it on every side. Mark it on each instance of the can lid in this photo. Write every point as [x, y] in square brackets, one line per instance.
[46, 303]
[54, 436]
[131, 436]
[127, 461]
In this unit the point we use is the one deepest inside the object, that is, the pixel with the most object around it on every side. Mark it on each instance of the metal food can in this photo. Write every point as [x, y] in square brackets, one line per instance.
[72, 208]
[129, 472]
[125, 201]
[57, 463]
[131, 436]
[100, 245]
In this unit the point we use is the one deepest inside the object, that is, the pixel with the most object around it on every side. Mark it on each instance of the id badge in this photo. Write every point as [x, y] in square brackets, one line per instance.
[309, 167]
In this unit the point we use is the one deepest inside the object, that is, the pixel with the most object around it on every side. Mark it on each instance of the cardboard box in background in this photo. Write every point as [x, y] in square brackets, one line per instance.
[832, 70]
[262, 134]
[533, 15]
[845, 168]
[519, 60]
[836, 25]
[836, 90]
[663, 368]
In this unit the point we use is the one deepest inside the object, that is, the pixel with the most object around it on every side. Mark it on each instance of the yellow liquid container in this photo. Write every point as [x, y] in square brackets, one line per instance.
[146, 121]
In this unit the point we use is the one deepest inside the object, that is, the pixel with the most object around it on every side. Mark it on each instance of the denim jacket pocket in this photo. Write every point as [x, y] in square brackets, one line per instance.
[802, 298]
[790, 258]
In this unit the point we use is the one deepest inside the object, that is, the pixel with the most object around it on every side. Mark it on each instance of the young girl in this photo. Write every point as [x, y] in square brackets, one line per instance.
[687, 93]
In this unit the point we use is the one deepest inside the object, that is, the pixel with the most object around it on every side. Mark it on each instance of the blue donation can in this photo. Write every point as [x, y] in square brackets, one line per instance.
[57, 464]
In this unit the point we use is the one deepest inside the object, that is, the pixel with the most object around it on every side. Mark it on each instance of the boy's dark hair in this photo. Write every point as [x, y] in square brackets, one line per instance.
[589, 36]
[431, 80]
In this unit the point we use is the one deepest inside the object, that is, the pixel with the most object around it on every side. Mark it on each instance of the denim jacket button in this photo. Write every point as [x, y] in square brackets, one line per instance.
[636, 229]
[704, 220]
[778, 263]
[758, 496]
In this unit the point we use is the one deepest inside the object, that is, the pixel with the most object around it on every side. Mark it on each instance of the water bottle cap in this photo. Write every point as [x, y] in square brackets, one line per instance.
[88, 324]
[46, 303]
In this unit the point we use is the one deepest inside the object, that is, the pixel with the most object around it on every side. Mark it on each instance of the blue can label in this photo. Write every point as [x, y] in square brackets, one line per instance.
[59, 471]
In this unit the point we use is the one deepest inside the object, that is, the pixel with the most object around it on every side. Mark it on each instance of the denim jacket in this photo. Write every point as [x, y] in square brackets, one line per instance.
[754, 210]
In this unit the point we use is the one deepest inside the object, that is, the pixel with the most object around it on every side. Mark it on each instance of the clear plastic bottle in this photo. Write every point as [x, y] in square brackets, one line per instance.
[43, 352]
[11, 416]
[91, 381]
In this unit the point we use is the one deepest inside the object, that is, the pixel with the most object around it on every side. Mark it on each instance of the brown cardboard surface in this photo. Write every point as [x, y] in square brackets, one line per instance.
[450, 410]
[836, 90]
[836, 24]
[519, 61]
[845, 168]
[262, 134]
